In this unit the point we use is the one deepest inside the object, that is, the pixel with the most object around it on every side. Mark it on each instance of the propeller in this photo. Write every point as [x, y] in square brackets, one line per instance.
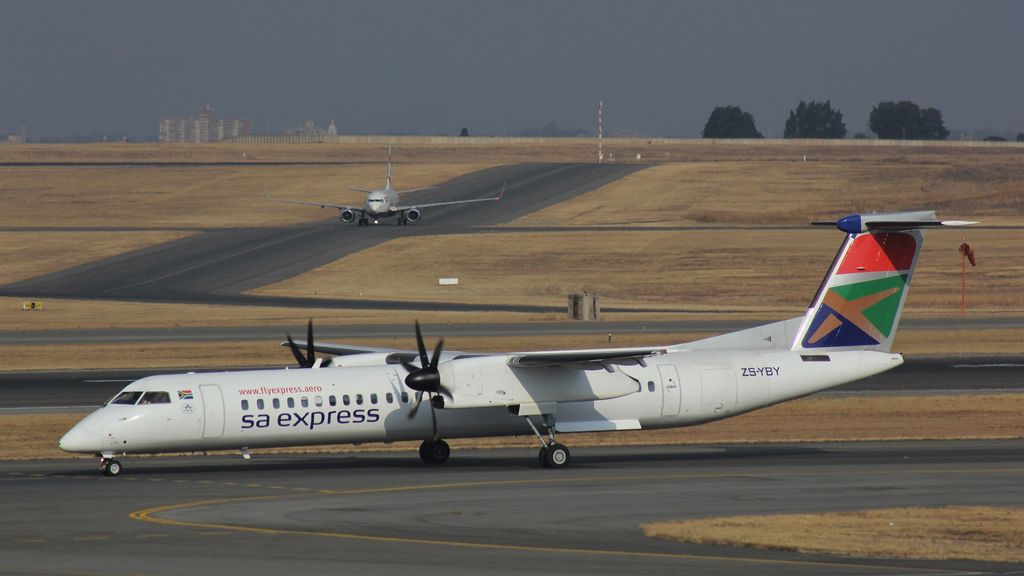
[425, 378]
[308, 359]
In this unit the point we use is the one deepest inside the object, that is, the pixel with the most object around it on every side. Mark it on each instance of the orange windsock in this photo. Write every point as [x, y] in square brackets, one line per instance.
[968, 252]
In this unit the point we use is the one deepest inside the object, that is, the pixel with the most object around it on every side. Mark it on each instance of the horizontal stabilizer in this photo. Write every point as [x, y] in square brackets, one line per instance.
[858, 223]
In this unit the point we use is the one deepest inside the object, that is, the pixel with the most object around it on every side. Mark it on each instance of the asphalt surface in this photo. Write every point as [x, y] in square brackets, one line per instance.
[493, 512]
[216, 266]
[79, 389]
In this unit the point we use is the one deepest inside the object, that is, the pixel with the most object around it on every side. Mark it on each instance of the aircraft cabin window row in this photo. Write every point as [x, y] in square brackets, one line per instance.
[332, 400]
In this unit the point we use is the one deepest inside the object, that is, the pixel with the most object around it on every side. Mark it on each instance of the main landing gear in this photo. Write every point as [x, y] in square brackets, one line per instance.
[435, 451]
[552, 454]
[109, 466]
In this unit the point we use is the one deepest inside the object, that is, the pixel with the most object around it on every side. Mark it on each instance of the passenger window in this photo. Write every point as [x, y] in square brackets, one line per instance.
[373, 398]
[359, 399]
[291, 402]
[405, 397]
[390, 397]
[318, 400]
[259, 404]
[650, 386]
[245, 404]
[277, 403]
[346, 400]
[305, 402]
[155, 398]
[127, 397]
[332, 400]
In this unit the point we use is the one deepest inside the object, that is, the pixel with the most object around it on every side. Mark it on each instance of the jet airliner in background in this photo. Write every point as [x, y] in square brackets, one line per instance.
[385, 203]
[366, 394]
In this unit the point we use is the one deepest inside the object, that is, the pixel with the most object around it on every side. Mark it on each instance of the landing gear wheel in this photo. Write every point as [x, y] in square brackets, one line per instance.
[555, 456]
[110, 467]
[435, 452]
[362, 221]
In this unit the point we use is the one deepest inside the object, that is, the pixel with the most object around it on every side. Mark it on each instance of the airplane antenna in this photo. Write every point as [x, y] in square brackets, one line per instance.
[600, 130]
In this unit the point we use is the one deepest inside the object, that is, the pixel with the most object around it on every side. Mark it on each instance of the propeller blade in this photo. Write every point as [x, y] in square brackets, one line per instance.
[311, 355]
[422, 347]
[444, 391]
[437, 354]
[296, 352]
[416, 406]
[433, 417]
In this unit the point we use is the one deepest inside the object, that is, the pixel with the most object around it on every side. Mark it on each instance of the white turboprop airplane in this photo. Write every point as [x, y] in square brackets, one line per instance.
[385, 203]
[363, 394]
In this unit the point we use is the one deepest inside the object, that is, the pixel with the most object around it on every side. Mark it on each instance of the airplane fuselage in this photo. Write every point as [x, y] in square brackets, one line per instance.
[272, 408]
[380, 203]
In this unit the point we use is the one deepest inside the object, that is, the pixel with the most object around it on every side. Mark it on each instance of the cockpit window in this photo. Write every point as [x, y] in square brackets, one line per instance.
[127, 397]
[155, 398]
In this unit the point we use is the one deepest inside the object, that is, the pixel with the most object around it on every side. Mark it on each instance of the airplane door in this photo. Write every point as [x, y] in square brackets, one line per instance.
[718, 389]
[670, 392]
[213, 411]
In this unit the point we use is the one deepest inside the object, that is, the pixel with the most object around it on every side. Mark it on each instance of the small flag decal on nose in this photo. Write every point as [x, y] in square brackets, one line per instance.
[185, 395]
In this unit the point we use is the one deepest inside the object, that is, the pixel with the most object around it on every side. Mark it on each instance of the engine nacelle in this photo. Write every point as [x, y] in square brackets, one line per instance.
[490, 381]
[413, 215]
[347, 216]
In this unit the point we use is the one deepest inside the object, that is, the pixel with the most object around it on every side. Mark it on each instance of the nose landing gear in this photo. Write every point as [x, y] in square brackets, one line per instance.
[109, 466]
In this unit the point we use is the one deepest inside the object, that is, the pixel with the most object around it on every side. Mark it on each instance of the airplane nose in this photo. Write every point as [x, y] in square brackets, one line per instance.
[82, 438]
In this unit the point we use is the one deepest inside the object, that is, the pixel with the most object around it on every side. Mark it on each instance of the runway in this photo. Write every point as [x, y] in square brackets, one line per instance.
[494, 512]
[216, 266]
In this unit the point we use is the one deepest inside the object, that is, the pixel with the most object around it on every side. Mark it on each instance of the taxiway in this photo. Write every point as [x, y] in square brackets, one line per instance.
[494, 512]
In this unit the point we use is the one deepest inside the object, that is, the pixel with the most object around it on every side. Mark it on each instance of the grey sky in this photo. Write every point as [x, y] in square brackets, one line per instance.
[497, 67]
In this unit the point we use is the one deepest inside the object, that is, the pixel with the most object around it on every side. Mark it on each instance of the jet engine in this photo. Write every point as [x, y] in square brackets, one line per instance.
[347, 216]
[413, 215]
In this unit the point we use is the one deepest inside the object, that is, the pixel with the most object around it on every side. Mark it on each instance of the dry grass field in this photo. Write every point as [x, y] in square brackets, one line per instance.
[772, 273]
[953, 532]
[757, 192]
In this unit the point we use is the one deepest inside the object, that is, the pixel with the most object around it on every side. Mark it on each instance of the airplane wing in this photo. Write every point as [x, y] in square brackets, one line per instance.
[584, 359]
[449, 203]
[394, 355]
[415, 190]
[342, 349]
[320, 204]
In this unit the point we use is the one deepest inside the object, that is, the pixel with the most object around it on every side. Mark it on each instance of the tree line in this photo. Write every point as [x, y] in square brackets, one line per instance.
[902, 120]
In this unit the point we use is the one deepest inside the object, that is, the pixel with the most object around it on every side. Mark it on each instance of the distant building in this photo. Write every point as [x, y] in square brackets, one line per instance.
[203, 128]
[309, 128]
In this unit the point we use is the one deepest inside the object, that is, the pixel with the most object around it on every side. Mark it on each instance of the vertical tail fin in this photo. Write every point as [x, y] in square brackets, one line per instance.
[387, 184]
[859, 303]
